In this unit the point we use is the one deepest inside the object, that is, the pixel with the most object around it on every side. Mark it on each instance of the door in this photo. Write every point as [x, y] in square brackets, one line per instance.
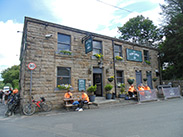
[97, 80]
[149, 79]
[138, 77]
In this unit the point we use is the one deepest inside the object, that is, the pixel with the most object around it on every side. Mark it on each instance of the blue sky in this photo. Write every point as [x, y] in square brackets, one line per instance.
[89, 15]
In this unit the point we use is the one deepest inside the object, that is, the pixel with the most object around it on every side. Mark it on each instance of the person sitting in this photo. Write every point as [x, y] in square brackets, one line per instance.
[132, 91]
[146, 87]
[141, 88]
[68, 95]
[84, 99]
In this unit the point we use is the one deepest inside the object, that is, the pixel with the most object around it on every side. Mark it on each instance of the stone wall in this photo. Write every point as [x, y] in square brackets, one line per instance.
[43, 52]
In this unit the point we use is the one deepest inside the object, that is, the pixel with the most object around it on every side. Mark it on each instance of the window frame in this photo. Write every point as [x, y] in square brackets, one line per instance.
[64, 76]
[100, 49]
[146, 57]
[118, 51]
[122, 78]
[59, 42]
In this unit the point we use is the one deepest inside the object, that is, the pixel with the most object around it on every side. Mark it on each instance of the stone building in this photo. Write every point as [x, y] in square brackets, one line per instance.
[60, 56]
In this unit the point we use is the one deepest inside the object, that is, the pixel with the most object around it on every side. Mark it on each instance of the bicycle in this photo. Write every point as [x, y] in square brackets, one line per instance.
[13, 105]
[30, 108]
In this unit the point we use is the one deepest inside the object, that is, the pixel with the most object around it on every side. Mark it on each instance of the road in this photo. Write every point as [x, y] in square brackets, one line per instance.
[150, 119]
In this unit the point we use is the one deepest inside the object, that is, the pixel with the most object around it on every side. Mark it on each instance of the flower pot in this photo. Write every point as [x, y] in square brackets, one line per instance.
[108, 96]
[92, 98]
[110, 79]
[113, 96]
[122, 95]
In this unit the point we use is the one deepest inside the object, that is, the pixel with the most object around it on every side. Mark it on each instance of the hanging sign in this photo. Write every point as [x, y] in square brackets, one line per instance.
[88, 45]
[31, 66]
[134, 55]
[81, 84]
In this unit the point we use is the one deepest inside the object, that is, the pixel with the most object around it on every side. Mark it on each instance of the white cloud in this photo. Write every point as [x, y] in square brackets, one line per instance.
[10, 44]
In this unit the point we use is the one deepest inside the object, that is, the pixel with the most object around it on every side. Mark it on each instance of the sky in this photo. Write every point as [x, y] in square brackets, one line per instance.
[96, 16]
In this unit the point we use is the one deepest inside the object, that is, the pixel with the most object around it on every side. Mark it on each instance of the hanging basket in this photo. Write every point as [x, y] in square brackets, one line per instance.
[110, 79]
[130, 81]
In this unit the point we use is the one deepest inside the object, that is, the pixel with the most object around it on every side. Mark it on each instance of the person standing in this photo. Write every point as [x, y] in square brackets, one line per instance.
[1, 96]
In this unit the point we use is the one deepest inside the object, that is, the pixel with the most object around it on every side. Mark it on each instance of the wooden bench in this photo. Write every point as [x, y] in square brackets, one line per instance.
[68, 105]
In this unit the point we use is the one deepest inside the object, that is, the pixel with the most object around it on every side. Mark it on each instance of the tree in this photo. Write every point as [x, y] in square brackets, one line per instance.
[172, 47]
[140, 30]
[11, 75]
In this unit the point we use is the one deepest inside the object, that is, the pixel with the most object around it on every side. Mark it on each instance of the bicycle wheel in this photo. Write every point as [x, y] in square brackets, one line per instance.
[8, 113]
[29, 109]
[47, 106]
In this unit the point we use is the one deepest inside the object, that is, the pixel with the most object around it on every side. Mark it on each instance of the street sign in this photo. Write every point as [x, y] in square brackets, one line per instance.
[31, 66]
[88, 45]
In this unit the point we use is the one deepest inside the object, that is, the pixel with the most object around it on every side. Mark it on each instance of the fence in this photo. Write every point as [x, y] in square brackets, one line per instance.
[147, 95]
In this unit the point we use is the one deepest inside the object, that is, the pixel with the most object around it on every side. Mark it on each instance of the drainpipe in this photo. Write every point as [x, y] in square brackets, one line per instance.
[114, 67]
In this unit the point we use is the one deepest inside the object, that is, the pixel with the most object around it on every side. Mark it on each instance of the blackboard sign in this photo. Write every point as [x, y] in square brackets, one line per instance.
[89, 45]
[81, 84]
[134, 55]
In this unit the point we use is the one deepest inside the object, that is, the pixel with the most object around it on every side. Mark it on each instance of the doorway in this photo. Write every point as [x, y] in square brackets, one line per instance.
[97, 80]
[138, 77]
[149, 79]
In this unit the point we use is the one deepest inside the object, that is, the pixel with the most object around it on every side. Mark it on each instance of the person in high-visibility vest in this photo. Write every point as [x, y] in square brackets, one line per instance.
[141, 88]
[146, 87]
[68, 95]
[132, 91]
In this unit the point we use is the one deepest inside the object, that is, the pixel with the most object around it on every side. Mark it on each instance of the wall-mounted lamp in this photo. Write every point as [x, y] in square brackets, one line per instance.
[107, 70]
[48, 36]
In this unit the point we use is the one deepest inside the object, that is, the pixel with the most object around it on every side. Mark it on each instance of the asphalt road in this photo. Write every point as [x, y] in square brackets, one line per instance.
[151, 119]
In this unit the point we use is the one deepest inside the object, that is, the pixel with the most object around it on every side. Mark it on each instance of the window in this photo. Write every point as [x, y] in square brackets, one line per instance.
[63, 75]
[64, 42]
[120, 78]
[97, 47]
[117, 50]
[146, 55]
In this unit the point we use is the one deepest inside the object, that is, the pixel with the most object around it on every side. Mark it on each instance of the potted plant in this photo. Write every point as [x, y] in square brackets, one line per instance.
[91, 91]
[108, 88]
[122, 92]
[111, 78]
[130, 80]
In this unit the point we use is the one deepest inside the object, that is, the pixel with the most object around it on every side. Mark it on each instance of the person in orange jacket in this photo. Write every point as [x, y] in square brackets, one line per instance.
[132, 91]
[67, 95]
[146, 87]
[84, 99]
[141, 88]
